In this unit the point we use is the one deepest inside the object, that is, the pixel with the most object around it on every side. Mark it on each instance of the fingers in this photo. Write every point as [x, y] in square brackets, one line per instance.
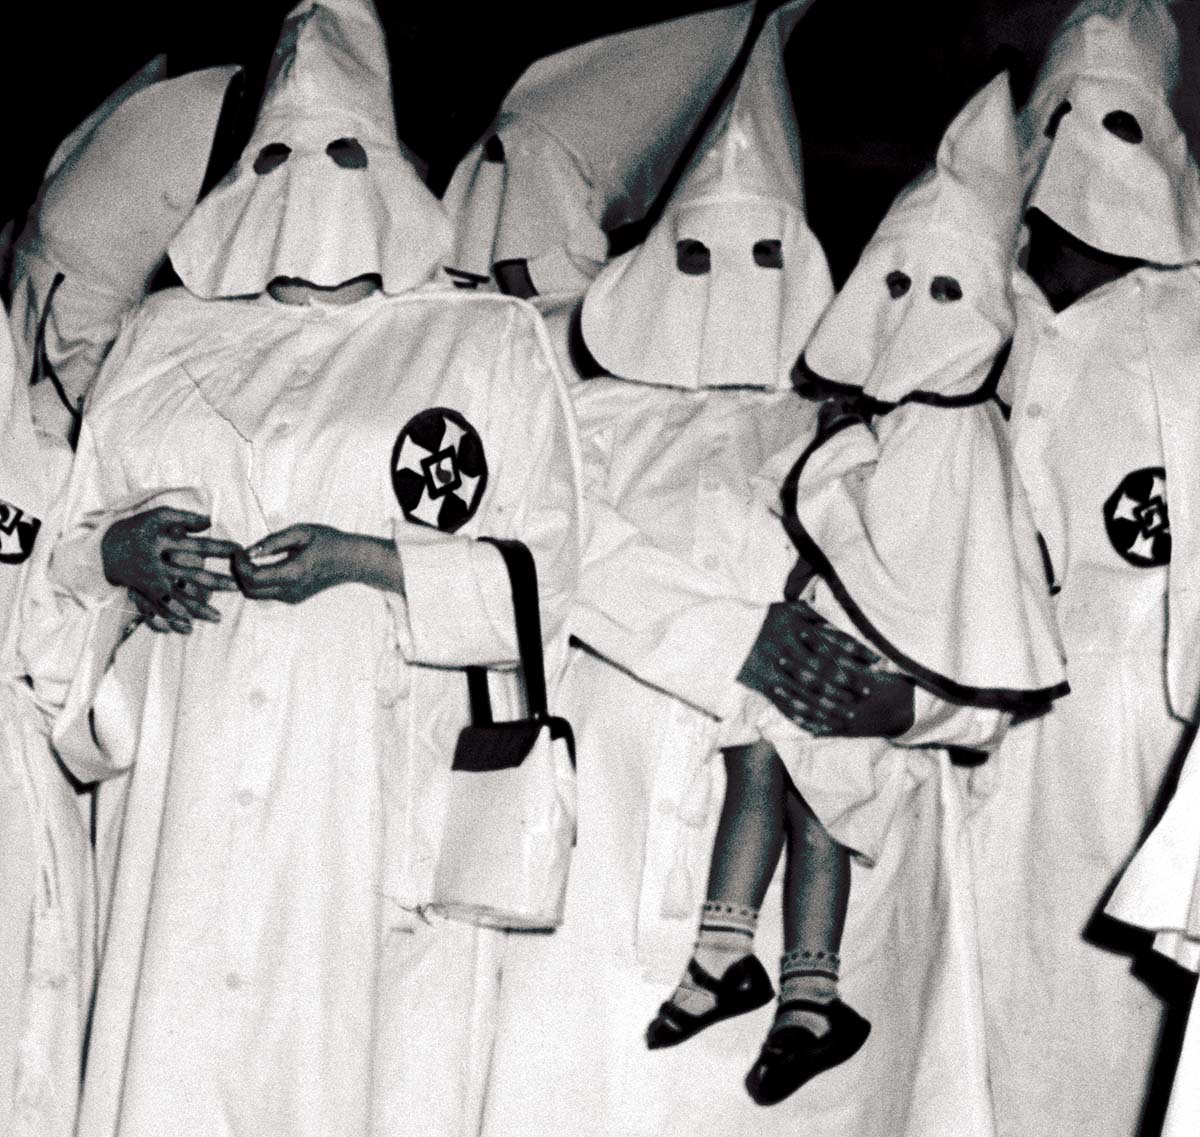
[202, 546]
[185, 520]
[834, 686]
[291, 539]
[190, 568]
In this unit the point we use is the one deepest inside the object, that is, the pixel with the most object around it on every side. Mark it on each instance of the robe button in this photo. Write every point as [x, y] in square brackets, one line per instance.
[233, 981]
[710, 561]
[257, 697]
[1034, 410]
[245, 798]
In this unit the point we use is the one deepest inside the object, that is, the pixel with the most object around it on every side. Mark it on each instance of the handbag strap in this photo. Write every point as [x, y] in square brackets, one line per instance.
[522, 578]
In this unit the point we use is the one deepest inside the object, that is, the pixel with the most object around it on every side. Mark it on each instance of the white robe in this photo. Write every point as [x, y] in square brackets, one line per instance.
[683, 558]
[266, 969]
[46, 879]
[1071, 1032]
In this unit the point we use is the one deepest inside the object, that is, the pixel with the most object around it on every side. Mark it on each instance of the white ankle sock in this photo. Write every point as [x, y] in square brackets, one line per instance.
[812, 975]
[726, 935]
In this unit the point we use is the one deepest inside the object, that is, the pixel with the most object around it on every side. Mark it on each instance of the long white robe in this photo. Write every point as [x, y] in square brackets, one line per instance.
[1071, 1032]
[683, 558]
[266, 968]
[46, 880]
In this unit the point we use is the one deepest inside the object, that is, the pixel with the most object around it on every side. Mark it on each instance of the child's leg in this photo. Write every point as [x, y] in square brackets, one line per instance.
[816, 893]
[749, 840]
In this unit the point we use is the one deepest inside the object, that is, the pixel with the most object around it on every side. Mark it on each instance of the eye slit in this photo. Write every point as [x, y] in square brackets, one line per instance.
[1063, 109]
[347, 153]
[493, 149]
[1124, 126]
[768, 253]
[271, 156]
[898, 283]
[692, 257]
[945, 289]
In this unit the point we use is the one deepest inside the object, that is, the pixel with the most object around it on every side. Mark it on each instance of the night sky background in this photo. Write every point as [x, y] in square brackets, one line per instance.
[874, 81]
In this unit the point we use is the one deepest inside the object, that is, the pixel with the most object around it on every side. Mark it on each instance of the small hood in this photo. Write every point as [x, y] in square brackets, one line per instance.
[929, 306]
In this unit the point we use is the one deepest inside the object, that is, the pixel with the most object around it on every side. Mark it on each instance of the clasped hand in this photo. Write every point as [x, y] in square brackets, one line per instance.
[823, 680]
[171, 573]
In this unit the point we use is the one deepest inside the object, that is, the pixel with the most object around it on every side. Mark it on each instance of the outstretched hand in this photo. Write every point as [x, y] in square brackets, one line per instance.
[155, 556]
[297, 562]
[823, 679]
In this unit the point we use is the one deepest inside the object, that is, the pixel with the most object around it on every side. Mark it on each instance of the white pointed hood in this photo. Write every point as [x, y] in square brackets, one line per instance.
[584, 142]
[727, 286]
[323, 191]
[917, 523]
[1103, 152]
[116, 192]
[929, 306]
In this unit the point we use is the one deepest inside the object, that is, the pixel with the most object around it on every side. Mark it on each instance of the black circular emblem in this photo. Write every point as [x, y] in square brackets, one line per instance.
[439, 470]
[1136, 518]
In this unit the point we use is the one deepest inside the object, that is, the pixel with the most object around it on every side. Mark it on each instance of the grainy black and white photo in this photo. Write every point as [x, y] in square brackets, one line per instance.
[600, 570]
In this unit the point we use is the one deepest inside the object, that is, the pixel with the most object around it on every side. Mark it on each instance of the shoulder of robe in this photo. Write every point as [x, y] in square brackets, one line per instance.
[165, 329]
[491, 319]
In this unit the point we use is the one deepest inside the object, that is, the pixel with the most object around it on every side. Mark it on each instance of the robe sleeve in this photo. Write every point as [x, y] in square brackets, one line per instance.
[73, 619]
[459, 609]
[668, 621]
[939, 723]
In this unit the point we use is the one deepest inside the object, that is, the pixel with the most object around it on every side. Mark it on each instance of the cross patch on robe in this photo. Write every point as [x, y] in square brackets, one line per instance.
[1137, 520]
[439, 469]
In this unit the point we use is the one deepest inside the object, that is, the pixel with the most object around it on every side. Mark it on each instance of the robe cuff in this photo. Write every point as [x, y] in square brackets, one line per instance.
[940, 723]
[459, 604]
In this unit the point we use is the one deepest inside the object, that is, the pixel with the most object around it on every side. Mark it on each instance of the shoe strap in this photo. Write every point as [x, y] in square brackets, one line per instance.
[703, 978]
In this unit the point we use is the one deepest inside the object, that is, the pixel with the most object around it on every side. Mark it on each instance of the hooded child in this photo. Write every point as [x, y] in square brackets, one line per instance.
[305, 408]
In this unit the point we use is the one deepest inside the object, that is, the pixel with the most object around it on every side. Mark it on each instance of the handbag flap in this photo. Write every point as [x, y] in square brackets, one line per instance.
[495, 746]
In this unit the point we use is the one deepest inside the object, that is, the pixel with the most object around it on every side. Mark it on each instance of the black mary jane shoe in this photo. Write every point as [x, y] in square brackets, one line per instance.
[744, 987]
[792, 1055]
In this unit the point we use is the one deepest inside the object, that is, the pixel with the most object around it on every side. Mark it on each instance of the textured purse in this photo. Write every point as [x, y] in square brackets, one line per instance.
[510, 814]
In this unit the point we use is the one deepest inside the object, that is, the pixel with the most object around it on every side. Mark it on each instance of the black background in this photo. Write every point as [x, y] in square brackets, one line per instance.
[874, 82]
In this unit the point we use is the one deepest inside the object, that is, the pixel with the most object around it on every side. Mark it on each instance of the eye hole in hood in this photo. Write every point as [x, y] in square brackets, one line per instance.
[271, 157]
[898, 283]
[768, 253]
[1060, 112]
[945, 289]
[347, 153]
[1124, 126]
[692, 257]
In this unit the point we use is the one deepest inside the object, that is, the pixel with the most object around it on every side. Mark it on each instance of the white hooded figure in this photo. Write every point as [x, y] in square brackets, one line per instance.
[584, 143]
[46, 884]
[268, 966]
[912, 507]
[115, 194]
[1101, 383]
[698, 329]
